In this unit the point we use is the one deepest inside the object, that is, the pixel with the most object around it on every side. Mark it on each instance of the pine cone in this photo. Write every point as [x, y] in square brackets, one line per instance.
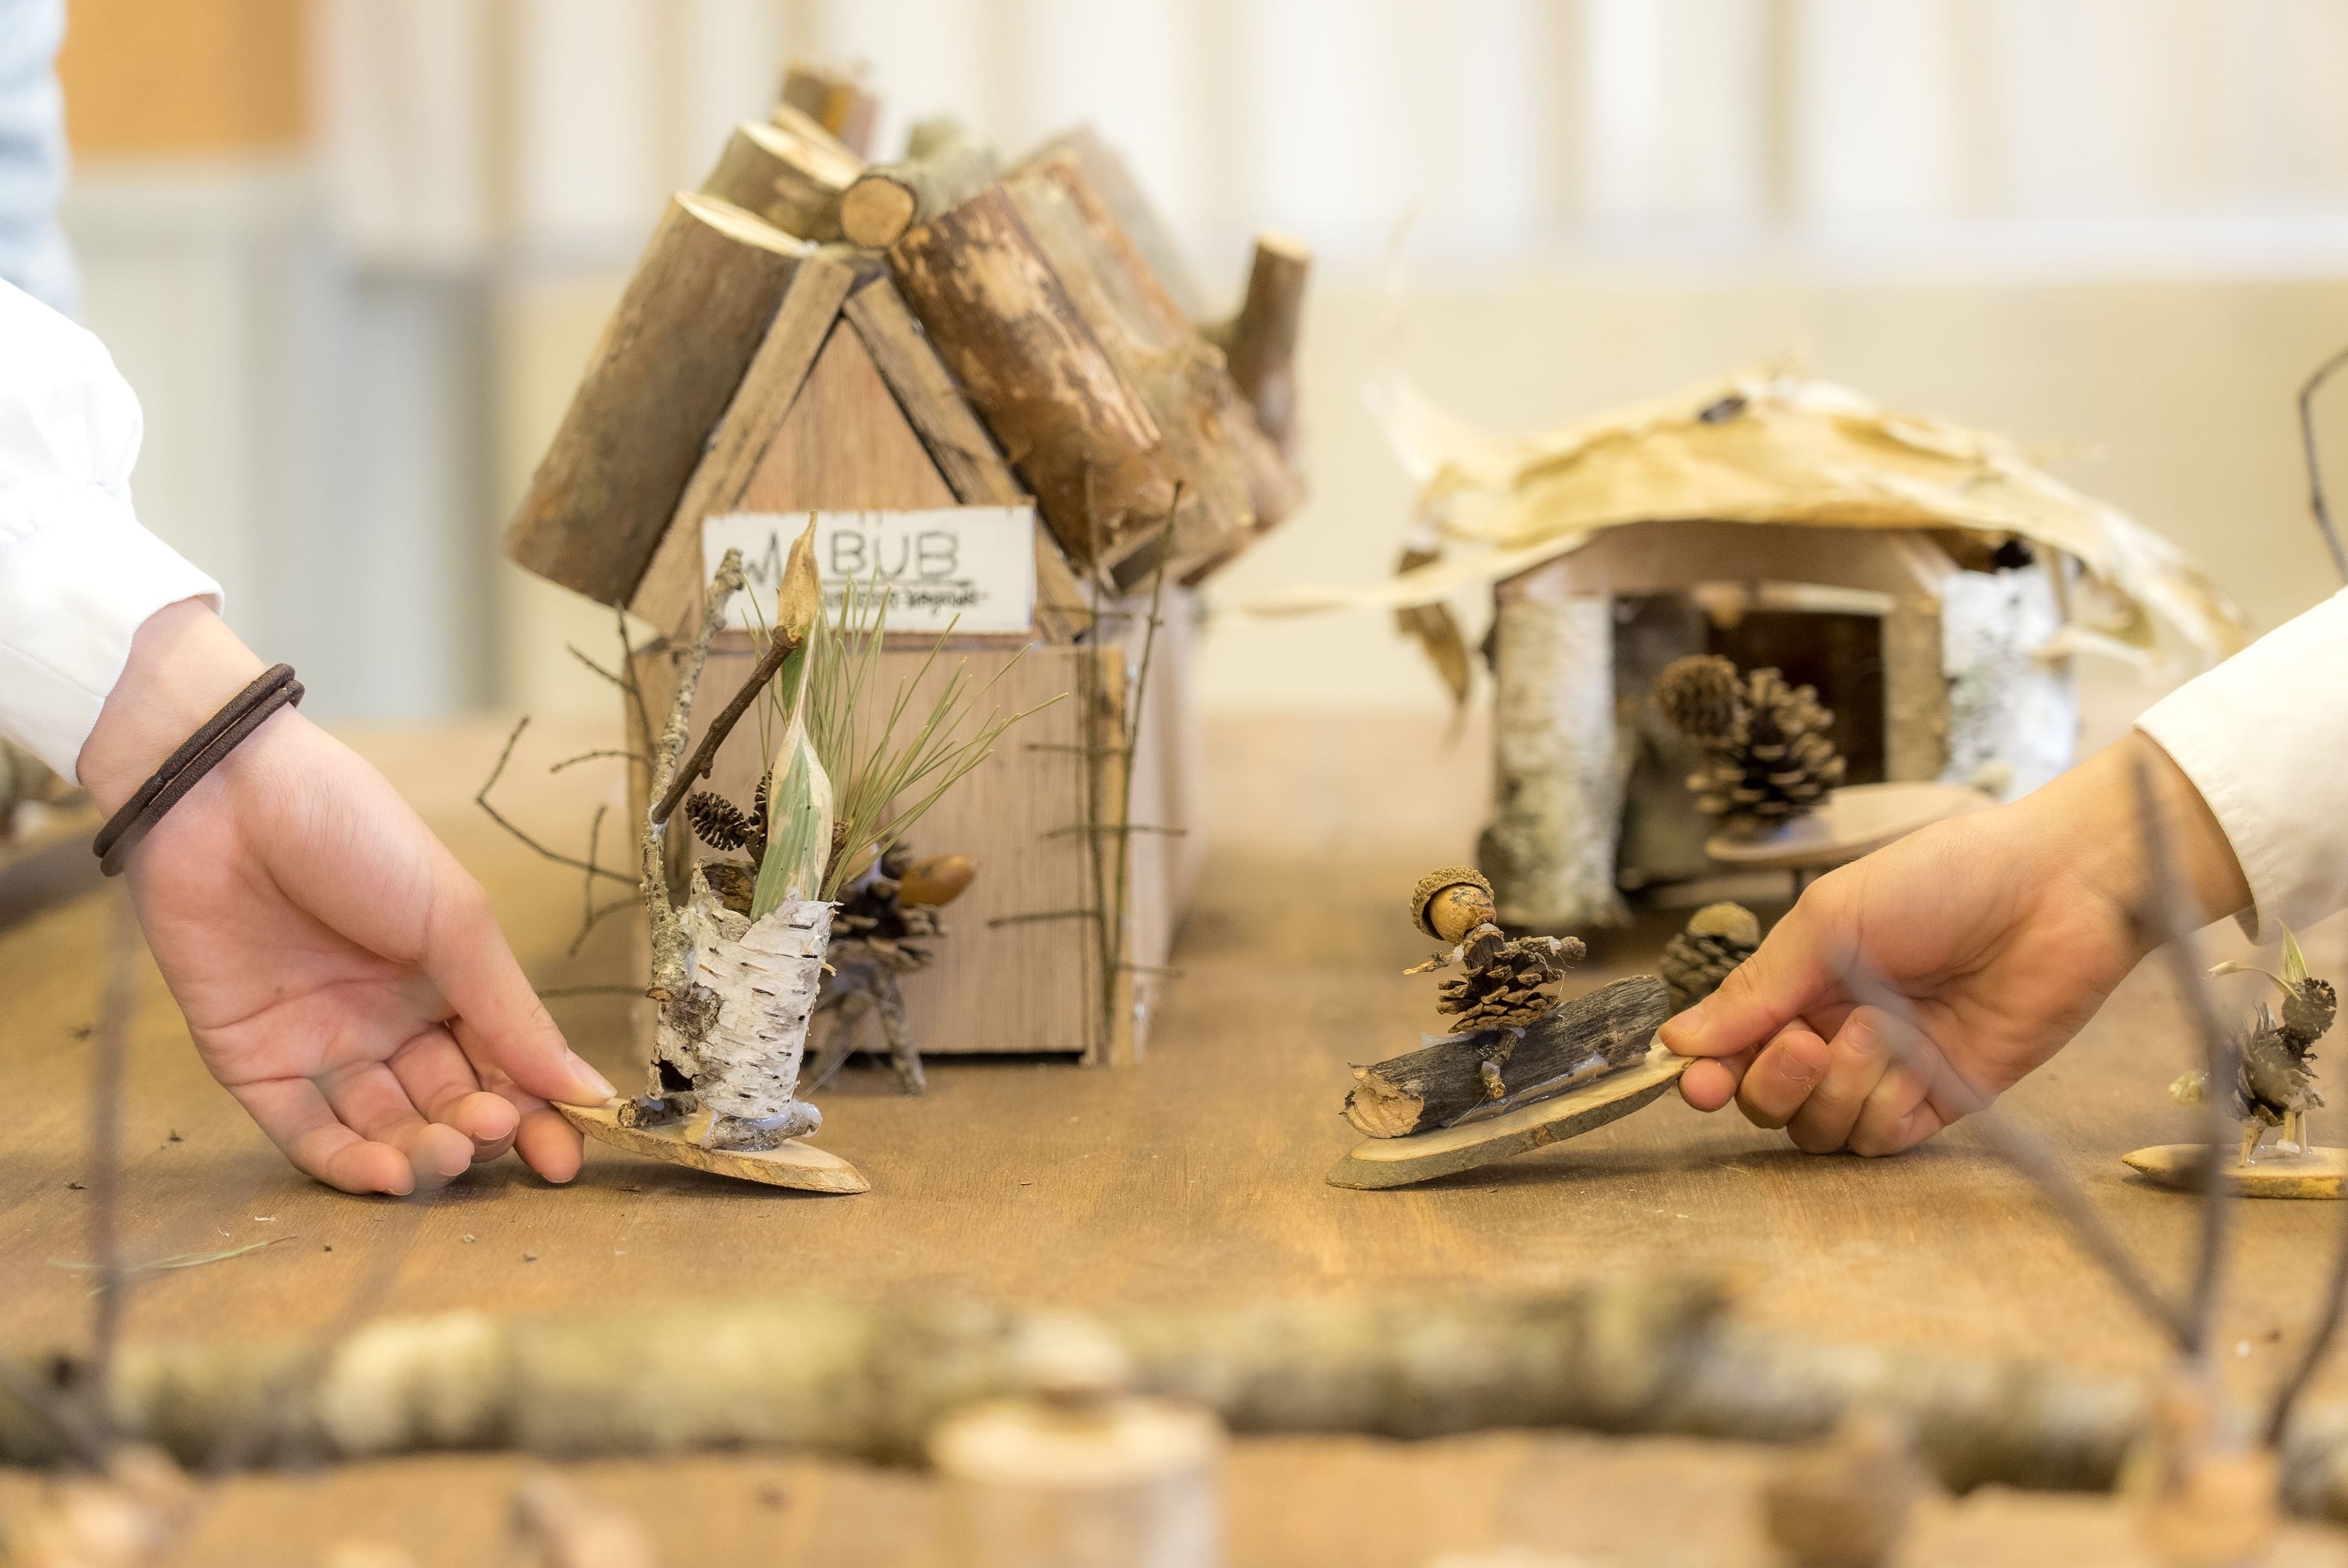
[1718, 937]
[1770, 758]
[1700, 697]
[1508, 982]
[716, 820]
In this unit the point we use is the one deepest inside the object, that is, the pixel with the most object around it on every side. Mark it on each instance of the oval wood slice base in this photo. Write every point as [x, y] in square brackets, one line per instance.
[793, 1165]
[2319, 1172]
[1855, 820]
[1464, 1145]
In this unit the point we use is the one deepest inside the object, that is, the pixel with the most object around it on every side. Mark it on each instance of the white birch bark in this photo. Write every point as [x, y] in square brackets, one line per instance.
[744, 1066]
[1559, 765]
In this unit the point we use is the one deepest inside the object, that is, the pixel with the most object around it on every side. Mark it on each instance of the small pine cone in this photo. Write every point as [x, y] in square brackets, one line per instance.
[716, 820]
[1778, 763]
[1719, 938]
[1700, 697]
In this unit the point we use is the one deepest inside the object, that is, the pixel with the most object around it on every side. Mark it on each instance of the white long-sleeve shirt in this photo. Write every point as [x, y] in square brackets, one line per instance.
[2265, 738]
[77, 574]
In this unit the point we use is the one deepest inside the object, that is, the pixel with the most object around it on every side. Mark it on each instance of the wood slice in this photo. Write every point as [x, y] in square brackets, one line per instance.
[1443, 1082]
[667, 365]
[1397, 1161]
[791, 175]
[794, 1164]
[1856, 820]
[1068, 421]
[2319, 1172]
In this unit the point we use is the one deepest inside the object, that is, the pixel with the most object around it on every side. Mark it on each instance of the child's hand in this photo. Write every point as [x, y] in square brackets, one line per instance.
[2003, 931]
[342, 974]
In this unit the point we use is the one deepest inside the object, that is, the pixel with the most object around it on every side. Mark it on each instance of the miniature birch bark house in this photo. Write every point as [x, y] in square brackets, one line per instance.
[1012, 361]
[1929, 582]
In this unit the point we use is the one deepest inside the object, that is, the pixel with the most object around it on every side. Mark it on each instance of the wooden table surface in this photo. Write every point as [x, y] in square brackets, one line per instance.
[1193, 1177]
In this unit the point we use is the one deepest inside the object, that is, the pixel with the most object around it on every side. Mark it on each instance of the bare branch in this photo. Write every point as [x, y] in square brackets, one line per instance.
[574, 650]
[2167, 900]
[481, 799]
[2314, 463]
[603, 752]
[704, 755]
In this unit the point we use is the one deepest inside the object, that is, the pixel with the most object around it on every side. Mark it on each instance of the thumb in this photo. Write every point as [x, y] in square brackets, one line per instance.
[1781, 981]
[469, 963]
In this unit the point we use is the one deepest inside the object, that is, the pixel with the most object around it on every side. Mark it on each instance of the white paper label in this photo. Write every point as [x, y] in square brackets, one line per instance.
[970, 568]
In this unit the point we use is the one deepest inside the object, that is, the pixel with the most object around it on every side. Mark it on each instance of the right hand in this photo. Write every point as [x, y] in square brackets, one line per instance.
[1997, 935]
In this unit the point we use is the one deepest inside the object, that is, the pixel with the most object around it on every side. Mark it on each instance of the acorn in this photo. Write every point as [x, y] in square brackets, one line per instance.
[1450, 903]
[940, 879]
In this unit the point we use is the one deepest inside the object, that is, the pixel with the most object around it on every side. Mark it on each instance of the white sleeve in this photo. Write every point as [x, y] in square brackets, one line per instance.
[2265, 738]
[77, 574]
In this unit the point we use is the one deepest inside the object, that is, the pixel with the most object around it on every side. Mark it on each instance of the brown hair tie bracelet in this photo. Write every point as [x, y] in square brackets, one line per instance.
[275, 688]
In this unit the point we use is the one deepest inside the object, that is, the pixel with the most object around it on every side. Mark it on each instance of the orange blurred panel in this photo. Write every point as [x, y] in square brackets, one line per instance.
[161, 77]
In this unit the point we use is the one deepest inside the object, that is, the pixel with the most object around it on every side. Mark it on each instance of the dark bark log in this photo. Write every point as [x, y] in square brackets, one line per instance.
[835, 101]
[1434, 1087]
[1260, 342]
[1069, 422]
[1107, 173]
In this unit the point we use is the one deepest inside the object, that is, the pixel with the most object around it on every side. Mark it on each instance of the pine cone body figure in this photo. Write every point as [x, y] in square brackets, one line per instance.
[1767, 756]
[882, 924]
[2277, 1073]
[1718, 937]
[1509, 982]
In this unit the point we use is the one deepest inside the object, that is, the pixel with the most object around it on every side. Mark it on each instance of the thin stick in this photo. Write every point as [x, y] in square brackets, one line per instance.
[115, 1017]
[1113, 958]
[590, 756]
[2027, 1154]
[2314, 463]
[671, 969]
[2164, 897]
[481, 799]
[704, 756]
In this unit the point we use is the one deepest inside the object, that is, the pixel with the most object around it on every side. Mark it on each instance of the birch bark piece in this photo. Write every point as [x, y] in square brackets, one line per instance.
[1121, 1483]
[943, 167]
[1376, 1163]
[1559, 766]
[1441, 1082]
[765, 975]
[2319, 1172]
[791, 174]
[1855, 820]
[663, 372]
[792, 1164]
[1068, 422]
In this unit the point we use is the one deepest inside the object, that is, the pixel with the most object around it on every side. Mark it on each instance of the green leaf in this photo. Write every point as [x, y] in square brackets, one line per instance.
[2294, 962]
[799, 832]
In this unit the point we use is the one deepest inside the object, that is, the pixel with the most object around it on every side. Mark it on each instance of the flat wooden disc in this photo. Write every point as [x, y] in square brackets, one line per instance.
[1856, 820]
[794, 1164]
[2317, 1174]
[1462, 1146]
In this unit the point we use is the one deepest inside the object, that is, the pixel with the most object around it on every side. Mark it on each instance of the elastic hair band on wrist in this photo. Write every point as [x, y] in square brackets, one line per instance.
[275, 688]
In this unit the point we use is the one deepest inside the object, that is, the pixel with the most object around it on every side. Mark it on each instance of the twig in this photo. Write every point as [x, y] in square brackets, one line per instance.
[2026, 1153]
[779, 647]
[114, 1022]
[1113, 927]
[2314, 463]
[631, 685]
[2302, 1372]
[481, 799]
[574, 650]
[603, 752]
[2164, 897]
[594, 919]
[161, 1265]
[671, 949]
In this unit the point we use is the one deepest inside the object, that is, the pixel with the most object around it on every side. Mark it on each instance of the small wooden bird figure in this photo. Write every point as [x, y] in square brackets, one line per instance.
[1509, 980]
[2275, 1079]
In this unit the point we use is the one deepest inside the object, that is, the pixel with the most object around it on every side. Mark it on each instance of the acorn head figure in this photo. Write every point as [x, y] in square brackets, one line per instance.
[1450, 903]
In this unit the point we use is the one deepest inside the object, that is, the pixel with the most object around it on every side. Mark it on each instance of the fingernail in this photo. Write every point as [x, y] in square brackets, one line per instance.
[590, 1077]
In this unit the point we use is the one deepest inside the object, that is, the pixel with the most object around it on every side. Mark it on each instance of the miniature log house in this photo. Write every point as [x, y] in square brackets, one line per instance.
[1926, 579]
[1012, 348]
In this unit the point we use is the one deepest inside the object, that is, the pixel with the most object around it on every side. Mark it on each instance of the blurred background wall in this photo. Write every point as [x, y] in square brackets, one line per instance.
[353, 253]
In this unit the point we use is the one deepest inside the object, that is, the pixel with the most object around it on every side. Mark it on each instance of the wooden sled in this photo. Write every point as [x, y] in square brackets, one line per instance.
[2319, 1172]
[1466, 1145]
[793, 1165]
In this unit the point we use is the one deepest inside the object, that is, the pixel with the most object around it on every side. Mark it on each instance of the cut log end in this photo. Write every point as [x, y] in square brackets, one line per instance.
[877, 210]
[1378, 1107]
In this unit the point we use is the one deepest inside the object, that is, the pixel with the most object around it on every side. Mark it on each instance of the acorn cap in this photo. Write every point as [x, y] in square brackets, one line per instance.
[1435, 882]
[1734, 921]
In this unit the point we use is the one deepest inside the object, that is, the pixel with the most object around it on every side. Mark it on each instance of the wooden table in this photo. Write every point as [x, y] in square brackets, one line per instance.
[1193, 1177]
